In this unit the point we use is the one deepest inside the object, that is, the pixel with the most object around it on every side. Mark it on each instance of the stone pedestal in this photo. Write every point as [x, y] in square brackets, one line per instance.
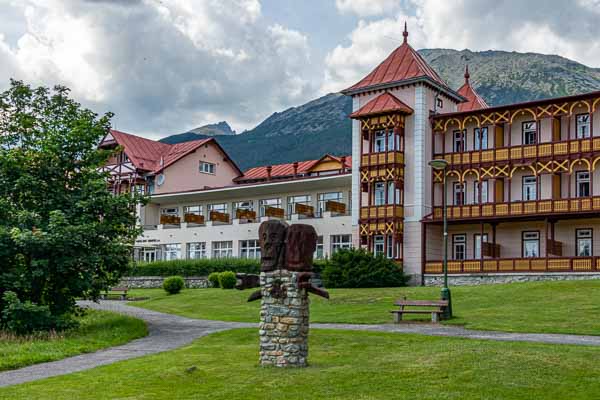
[283, 320]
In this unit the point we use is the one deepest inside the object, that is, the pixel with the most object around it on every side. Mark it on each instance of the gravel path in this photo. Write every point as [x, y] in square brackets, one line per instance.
[167, 332]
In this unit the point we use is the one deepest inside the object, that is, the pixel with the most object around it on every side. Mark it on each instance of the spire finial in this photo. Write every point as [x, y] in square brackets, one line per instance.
[467, 75]
[405, 33]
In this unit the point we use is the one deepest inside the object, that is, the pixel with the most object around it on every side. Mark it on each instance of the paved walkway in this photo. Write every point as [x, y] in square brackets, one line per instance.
[167, 332]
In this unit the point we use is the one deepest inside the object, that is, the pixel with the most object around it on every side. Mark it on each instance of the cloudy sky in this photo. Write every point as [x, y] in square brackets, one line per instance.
[165, 66]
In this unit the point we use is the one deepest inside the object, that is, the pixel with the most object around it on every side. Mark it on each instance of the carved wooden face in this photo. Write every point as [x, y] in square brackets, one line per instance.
[300, 245]
[272, 239]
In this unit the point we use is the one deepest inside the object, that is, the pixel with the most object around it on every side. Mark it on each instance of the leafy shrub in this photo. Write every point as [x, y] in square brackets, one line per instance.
[198, 267]
[356, 268]
[27, 317]
[173, 284]
[227, 280]
[213, 278]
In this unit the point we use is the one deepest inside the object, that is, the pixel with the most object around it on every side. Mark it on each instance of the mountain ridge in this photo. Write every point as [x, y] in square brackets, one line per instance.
[322, 125]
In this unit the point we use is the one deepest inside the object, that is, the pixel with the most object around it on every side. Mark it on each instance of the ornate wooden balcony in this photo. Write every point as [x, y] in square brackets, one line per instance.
[523, 152]
[519, 209]
[375, 159]
[382, 212]
[516, 265]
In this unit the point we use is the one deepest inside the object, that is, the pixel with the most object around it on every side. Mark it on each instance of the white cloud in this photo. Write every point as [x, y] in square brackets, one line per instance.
[566, 28]
[365, 8]
[161, 66]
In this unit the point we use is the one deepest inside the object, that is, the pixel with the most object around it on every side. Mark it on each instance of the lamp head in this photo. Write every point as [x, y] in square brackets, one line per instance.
[438, 164]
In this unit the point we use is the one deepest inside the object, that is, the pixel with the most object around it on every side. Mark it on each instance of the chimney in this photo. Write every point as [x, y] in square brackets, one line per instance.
[295, 165]
[269, 168]
[343, 161]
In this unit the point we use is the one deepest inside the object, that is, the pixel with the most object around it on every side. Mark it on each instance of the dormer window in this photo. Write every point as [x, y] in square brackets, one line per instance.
[207, 168]
[439, 103]
[582, 126]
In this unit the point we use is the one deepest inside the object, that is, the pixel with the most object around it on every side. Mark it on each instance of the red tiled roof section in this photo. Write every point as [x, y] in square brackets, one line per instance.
[474, 100]
[282, 170]
[143, 153]
[385, 102]
[402, 64]
[180, 150]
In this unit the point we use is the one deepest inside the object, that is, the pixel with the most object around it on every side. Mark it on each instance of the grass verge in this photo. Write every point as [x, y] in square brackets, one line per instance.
[343, 365]
[544, 307]
[97, 330]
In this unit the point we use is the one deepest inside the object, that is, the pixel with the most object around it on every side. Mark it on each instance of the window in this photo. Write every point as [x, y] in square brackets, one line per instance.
[220, 207]
[378, 245]
[480, 138]
[149, 254]
[484, 192]
[172, 251]
[582, 126]
[242, 205]
[379, 194]
[531, 244]
[459, 194]
[293, 200]
[459, 246]
[174, 211]
[196, 250]
[584, 242]
[222, 249]
[477, 244]
[340, 242]
[582, 179]
[319, 250]
[391, 193]
[323, 198]
[459, 143]
[390, 247]
[439, 103]
[529, 132]
[196, 210]
[380, 139]
[268, 203]
[207, 168]
[249, 249]
[529, 188]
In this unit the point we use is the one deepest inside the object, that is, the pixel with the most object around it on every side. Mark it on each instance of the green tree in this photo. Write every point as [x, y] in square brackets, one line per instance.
[63, 235]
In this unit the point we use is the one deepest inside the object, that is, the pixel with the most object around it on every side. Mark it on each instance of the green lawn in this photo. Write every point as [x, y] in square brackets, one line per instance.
[97, 330]
[545, 307]
[344, 365]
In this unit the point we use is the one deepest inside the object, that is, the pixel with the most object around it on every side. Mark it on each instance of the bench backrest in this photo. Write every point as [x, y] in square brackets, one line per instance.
[422, 303]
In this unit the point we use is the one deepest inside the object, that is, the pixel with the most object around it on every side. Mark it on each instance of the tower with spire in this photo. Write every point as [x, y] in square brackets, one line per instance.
[473, 100]
[391, 146]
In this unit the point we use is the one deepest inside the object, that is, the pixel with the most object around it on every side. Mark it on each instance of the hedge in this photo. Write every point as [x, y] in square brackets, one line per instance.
[202, 267]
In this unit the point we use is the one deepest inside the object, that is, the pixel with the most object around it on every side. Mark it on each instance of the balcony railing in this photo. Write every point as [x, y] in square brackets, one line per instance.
[520, 208]
[382, 212]
[373, 159]
[523, 152]
[516, 265]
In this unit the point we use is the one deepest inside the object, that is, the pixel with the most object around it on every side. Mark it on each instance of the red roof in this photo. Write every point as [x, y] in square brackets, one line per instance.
[402, 64]
[146, 154]
[287, 170]
[385, 102]
[474, 100]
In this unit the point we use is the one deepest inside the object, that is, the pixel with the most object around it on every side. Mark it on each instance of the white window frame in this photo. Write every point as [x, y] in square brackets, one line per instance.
[459, 246]
[378, 245]
[172, 251]
[196, 250]
[339, 242]
[207, 168]
[149, 254]
[218, 207]
[484, 192]
[195, 209]
[584, 239]
[379, 141]
[264, 203]
[222, 249]
[459, 188]
[305, 199]
[379, 194]
[529, 130]
[477, 244]
[323, 198]
[581, 179]
[582, 125]
[458, 141]
[319, 254]
[529, 188]
[250, 249]
[480, 138]
[530, 244]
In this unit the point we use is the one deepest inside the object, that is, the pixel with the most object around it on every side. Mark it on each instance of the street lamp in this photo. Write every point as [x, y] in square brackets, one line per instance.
[441, 165]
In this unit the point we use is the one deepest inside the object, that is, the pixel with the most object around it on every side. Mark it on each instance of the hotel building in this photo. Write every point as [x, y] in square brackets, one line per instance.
[520, 190]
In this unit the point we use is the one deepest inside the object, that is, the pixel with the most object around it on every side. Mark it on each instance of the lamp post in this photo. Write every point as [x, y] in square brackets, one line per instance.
[441, 165]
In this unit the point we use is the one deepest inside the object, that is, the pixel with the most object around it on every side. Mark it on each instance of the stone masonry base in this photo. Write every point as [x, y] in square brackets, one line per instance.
[154, 282]
[484, 279]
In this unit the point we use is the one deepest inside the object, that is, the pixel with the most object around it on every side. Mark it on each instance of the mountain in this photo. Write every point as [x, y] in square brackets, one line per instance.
[322, 126]
[219, 129]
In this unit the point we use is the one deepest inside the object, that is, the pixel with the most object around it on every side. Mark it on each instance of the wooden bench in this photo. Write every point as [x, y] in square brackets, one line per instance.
[116, 291]
[433, 307]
